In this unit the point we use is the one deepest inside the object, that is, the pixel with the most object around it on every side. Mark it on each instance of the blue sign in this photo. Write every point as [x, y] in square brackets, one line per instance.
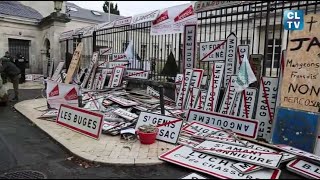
[296, 128]
[293, 19]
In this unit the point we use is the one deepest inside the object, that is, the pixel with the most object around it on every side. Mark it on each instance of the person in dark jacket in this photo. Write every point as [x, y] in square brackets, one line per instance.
[21, 64]
[12, 72]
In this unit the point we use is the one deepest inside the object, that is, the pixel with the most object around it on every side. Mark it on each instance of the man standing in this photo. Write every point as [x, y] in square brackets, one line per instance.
[12, 72]
[21, 64]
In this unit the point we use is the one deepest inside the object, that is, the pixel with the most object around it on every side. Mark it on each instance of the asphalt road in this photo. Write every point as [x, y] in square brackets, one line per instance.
[25, 147]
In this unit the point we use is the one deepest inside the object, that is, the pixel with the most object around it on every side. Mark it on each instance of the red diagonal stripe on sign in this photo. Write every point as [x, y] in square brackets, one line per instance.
[141, 72]
[222, 150]
[171, 122]
[213, 50]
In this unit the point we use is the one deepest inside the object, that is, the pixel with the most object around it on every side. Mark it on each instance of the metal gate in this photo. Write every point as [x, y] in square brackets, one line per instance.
[19, 46]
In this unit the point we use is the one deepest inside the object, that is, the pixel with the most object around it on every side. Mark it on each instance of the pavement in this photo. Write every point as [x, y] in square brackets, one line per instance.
[108, 149]
[24, 146]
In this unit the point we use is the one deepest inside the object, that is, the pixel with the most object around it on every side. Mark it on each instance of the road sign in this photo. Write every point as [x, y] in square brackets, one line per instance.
[266, 105]
[57, 72]
[228, 97]
[242, 50]
[200, 102]
[241, 126]
[116, 76]
[250, 102]
[226, 140]
[242, 154]
[82, 121]
[304, 168]
[213, 51]
[169, 127]
[230, 58]
[137, 74]
[214, 87]
[114, 64]
[245, 168]
[105, 51]
[214, 166]
[196, 127]
[189, 45]
[125, 114]
[184, 89]
[123, 101]
[119, 57]
[193, 95]
[193, 176]
[87, 75]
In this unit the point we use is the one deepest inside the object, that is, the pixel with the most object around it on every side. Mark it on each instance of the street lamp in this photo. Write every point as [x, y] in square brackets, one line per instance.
[58, 5]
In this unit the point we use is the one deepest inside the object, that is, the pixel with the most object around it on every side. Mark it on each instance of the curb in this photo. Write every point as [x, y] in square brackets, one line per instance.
[126, 162]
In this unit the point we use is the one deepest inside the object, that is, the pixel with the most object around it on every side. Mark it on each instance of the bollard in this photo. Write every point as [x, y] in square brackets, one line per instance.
[161, 100]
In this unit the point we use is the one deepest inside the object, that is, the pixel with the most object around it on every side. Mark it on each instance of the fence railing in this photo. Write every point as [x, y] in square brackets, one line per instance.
[257, 24]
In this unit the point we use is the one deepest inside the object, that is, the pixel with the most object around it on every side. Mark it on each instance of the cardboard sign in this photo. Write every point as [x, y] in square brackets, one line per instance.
[250, 103]
[214, 166]
[119, 57]
[123, 101]
[241, 126]
[80, 120]
[214, 87]
[304, 168]
[189, 46]
[125, 114]
[105, 51]
[183, 93]
[300, 86]
[266, 105]
[193, 95]
[123, 22]
[297, 152]
[246, 168]
[201, 6]
[291, 127]
[213, 51]
[116, 76]
[74, 63]
[230, 58]
[242, 50]
[137, 74]
[145, 17]
[60, 93]
[93, 63]
[200, 102]
[193, 176]
[243, 154]
[229, 97]
[57, 72]
[168, 132]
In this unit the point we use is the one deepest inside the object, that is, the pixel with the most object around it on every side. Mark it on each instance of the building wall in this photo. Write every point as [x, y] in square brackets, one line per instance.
[74, 24]
[45, 8]
[17, 30]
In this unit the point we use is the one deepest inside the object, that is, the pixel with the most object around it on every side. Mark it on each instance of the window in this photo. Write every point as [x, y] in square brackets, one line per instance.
[273, 53]
[96, 13]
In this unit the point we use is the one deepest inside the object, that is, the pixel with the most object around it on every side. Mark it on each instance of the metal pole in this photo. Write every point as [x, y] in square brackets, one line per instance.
[266, 37]
[161, 99]
[109, 10]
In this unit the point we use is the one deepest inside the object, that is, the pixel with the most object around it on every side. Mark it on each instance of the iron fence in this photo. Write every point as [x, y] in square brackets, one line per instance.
[258, 24]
